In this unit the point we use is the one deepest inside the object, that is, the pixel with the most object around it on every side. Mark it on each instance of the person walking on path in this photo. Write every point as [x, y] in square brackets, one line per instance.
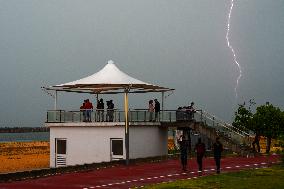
[183, 146]
[217, 150]
[256, 142]
[200, 153]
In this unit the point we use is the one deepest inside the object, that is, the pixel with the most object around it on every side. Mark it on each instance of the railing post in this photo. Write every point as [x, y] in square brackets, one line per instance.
[60, 116]
[201, 116]
[47, 116]
[55, 100]
[114, 116]
[145, 114]
[163, 96]
[170, 116]
[137, 115]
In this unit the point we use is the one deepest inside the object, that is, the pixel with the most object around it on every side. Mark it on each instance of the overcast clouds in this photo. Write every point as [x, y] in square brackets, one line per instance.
[178, 44]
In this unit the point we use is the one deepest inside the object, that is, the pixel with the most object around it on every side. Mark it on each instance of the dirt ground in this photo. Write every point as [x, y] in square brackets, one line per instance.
[21, 156]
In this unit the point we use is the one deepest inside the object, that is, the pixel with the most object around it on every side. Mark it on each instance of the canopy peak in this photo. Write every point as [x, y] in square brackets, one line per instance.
[110, 62]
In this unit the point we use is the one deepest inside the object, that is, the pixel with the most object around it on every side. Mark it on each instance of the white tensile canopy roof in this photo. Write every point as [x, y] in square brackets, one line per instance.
[108, 80]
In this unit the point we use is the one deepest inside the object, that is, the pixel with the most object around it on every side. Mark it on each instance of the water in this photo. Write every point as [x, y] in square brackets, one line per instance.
[24, 137]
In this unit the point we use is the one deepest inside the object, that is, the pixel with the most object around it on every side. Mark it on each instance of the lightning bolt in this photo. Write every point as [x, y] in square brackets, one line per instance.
[232, 49]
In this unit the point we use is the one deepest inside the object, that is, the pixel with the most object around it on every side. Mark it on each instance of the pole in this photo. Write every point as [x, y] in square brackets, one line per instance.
[126, 126]
[55, 100]
[96, 110]
[163, 96]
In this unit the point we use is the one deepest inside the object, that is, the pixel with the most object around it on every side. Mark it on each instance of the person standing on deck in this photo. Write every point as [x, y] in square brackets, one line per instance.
[83, 110]
[191, 110]
[151, 110]
[157, 110]
[100, 110]
[89, 108]
[110, 111]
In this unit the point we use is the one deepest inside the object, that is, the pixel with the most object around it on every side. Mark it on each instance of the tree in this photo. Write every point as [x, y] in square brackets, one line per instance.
[243, 117]
[269, 122]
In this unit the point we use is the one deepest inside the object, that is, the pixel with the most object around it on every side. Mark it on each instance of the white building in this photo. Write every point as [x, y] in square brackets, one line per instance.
[74, 142]
[80, 143]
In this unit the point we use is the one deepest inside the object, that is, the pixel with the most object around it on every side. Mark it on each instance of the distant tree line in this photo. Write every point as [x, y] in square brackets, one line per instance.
[23, 129]
[267, 121]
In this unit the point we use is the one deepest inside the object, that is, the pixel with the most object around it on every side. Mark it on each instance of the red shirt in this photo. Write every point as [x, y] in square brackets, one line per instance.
[88, 105]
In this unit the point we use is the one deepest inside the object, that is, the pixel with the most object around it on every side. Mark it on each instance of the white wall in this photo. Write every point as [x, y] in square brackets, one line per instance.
[92, 144]
[146, 141]
[84, 145]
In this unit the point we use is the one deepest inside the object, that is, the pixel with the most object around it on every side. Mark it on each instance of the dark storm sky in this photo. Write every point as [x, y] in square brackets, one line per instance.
[174, 43]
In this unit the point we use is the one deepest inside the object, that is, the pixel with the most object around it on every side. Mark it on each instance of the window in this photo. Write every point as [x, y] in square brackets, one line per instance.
[117, 146]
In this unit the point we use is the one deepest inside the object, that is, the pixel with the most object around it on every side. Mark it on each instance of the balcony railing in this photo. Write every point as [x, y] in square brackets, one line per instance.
[141, 115]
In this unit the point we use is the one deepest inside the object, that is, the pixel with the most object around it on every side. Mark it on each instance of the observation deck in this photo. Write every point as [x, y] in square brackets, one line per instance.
[200, 122]
[117, 117]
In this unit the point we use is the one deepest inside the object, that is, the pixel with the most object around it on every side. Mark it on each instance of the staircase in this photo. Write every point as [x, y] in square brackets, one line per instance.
[232, 138]
[209, 126]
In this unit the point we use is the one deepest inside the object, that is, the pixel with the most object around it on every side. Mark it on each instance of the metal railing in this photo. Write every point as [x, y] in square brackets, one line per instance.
[225, 129]
[137, 115]
[143, 115]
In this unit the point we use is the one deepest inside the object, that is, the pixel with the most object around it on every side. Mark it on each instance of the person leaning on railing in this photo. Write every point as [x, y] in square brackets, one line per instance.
[179, 114]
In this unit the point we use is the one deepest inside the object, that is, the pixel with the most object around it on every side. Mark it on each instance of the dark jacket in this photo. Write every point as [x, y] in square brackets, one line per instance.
[157, 106]
[217, 149]
[183, 145]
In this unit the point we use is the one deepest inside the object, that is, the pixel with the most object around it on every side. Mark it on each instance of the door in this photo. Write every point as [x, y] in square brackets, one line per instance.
[60, 152]
[116, 148]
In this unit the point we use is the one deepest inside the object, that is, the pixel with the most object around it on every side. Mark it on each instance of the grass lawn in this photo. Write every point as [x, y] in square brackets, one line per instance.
[265, 178]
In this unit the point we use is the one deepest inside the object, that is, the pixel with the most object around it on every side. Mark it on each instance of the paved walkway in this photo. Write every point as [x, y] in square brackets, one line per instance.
[139, 175]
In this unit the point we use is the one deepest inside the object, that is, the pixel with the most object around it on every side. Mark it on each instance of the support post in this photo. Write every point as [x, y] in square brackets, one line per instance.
[126, 126]
[96, 112]
[163, 96]
[55, 100]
